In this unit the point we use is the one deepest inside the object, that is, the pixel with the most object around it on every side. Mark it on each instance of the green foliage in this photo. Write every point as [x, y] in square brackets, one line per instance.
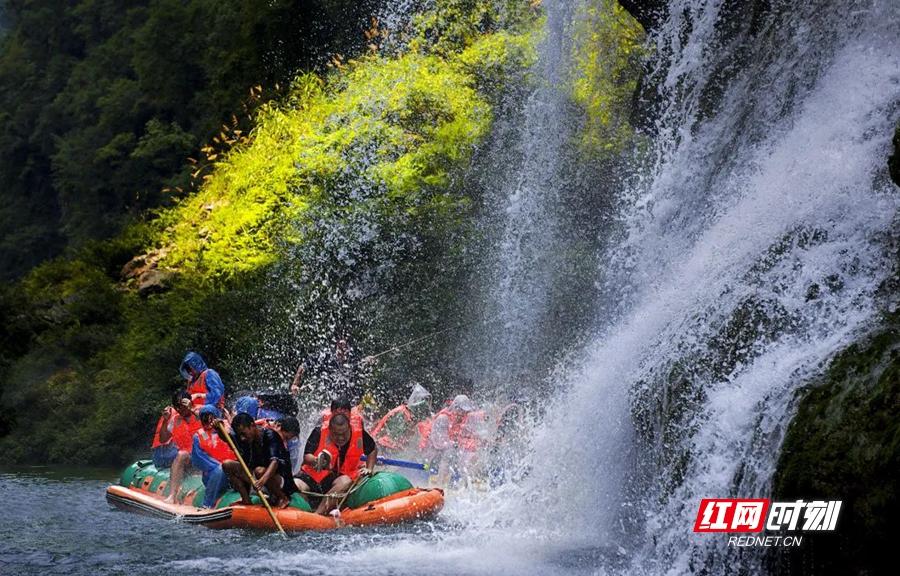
[495, 60]
[607, 51]
[452, 25]
[378, 139]
[343, 209]
[102, 101]
[408, 120]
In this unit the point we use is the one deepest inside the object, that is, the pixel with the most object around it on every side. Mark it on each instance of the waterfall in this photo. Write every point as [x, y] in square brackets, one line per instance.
[742, 247]
[523, 195]
[757, 239]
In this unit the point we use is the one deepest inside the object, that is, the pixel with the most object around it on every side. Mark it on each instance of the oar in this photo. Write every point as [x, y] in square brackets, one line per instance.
[401, 463]
[250, 477]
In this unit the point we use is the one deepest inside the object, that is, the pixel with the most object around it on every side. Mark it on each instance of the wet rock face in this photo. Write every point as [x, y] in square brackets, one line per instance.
[894, 160]
[647, 12]
[844, 444]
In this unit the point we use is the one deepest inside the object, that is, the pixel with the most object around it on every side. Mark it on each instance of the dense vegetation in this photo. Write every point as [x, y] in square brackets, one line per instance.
[337, 205]
[102, 101]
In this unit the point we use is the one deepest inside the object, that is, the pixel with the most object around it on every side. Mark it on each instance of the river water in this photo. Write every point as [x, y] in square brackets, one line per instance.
[58, 522]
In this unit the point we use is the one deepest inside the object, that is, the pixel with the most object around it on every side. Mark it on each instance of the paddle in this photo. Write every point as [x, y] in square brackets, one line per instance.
[402, 464]
[250, 477]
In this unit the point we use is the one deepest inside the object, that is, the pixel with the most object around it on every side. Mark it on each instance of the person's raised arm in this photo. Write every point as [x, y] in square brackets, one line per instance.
[298, 379]
[165, 430]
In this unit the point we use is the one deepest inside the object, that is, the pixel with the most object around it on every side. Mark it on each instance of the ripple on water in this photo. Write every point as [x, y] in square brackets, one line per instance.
[63, 525]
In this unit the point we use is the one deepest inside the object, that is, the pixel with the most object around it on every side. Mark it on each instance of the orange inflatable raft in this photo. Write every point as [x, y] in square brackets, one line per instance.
[385, 498]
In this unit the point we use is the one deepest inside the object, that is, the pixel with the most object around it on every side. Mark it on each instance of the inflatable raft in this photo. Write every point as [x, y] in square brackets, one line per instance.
[383, 498]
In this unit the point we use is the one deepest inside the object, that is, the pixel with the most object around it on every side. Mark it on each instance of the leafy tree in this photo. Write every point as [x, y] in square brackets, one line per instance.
[102, 101]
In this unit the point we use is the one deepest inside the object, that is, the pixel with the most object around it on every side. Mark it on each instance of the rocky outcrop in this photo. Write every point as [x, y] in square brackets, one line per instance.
[894, 160]
[143, 272]
[649, 13]
[844, 444]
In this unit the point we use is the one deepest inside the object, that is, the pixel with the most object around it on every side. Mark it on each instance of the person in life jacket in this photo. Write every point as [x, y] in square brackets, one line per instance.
[442, 432]
[172, 440]
[451, 438]
[203, 383]
[397, 429]
[269, 419]
[265, 451]
[211, 455]
[332, 459]
[342, 405]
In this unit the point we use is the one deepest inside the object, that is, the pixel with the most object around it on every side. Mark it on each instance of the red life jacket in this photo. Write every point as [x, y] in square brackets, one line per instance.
[182, 432]
[350, 464]
[424, 430]
[386, 439]
[217, 448]
[198, 386]
[156, 443]
[355, 415]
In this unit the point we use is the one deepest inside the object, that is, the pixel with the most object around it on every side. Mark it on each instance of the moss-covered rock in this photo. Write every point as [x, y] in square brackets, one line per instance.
[894, 160]
[607, 51]
[844, 444]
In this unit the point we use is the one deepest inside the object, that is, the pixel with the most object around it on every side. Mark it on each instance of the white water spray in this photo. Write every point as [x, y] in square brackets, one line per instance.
[755, 249]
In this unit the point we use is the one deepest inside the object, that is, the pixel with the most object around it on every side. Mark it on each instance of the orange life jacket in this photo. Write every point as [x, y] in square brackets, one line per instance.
[467, 435]
[385, 439]
[182, 432]
[350, 464]
[355, 414]
[217, 448]
[424, 428]
[198, 386]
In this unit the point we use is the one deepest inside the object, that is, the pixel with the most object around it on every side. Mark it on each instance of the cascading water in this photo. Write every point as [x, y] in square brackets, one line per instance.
[525, 260]
[755, 248]
[756, 238]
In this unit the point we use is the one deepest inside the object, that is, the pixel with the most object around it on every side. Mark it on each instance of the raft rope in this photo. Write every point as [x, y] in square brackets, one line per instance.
[428, 337]
[343, 495]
